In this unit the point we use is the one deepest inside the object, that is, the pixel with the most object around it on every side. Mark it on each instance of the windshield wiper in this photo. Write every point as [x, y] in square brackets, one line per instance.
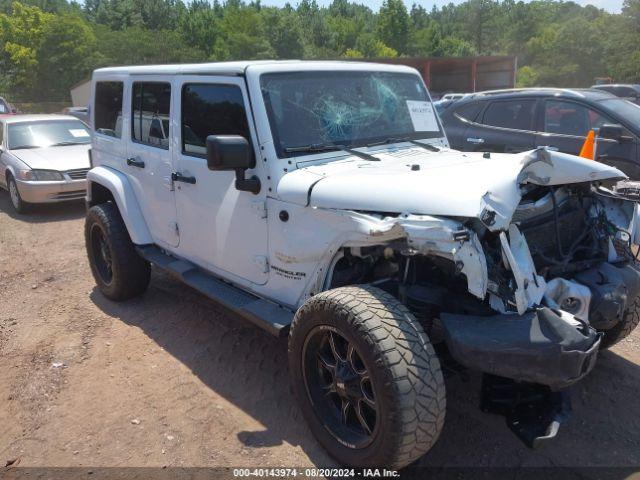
[329, 147]
[312, 148]
[386, 141]
[24, 147]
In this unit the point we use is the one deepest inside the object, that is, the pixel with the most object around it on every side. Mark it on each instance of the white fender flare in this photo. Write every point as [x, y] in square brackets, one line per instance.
[119, 186]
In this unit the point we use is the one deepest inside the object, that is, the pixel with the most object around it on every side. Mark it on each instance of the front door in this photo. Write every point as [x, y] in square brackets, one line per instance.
[221, 228]
[566, 125]
[149, 161]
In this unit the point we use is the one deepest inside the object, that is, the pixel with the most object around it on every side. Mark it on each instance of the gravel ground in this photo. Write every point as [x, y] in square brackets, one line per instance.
[171, 379]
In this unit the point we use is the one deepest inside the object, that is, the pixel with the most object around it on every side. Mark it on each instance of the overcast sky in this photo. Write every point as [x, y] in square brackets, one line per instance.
[609, 5]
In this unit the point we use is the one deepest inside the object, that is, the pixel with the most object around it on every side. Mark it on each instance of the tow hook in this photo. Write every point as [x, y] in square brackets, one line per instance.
[533, 412]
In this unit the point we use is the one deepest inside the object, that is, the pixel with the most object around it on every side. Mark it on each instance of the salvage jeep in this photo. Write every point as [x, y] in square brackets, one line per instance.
[320, 200]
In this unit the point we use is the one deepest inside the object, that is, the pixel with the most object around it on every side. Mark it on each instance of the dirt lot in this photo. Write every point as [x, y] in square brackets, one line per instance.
[170, 379]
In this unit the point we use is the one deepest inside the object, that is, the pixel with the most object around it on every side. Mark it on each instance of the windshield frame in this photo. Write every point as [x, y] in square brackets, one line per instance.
[10, 125]
[281, 151]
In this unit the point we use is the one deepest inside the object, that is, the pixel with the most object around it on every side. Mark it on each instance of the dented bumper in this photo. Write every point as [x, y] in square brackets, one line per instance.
[543, 346]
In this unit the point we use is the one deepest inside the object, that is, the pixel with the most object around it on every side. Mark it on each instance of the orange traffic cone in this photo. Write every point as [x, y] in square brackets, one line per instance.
[587, 149]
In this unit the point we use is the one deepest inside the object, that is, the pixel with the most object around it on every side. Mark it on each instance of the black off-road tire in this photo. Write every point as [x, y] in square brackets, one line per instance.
[624, 328]
[402, 363]
[19, 205]
[130, 273]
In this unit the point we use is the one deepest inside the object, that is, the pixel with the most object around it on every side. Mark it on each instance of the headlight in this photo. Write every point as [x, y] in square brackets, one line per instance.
[40, 175]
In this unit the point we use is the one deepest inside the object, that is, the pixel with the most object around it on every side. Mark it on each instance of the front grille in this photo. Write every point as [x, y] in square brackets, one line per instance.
[77, 174]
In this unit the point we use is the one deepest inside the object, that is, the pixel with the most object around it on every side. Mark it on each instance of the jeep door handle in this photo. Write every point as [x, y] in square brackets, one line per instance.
[135, 162]
[475, 141]
[177, 177]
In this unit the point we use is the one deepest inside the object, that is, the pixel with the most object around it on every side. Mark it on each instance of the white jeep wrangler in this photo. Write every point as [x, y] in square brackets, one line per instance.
[321, 200]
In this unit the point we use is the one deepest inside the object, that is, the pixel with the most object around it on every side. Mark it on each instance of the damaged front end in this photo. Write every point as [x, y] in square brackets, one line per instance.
[524, 292]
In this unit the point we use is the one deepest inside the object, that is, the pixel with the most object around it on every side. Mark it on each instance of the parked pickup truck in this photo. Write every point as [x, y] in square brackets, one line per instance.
[320, 200]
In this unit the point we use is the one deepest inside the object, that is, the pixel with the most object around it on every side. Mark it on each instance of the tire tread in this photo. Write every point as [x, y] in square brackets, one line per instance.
[629, 322]
[131, 272]
[403, 350]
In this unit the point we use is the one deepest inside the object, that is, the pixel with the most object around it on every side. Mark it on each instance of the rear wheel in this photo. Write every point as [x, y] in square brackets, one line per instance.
[119, 271]
[367, 378]
[18, 204]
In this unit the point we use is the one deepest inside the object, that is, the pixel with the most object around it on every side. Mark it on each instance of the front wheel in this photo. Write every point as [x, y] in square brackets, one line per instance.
[19, 205]
[119, 271]
[367, 378]
[622, 329]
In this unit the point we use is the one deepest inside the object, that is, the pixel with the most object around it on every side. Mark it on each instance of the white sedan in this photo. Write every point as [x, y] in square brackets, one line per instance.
[43, 158]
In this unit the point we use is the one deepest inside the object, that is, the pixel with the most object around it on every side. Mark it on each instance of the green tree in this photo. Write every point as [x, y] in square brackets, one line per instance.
[317, 33]
[67, 53]
[393, 25]
[426, 41]
[117, 14]
[200, 27]
[243, 34]
[139, 46]
[527, 77]
[368, 46]
[284, 32]
[21, 34]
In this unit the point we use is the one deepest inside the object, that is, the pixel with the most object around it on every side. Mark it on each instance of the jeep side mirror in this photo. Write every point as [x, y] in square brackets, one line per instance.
[232, 152]
[611, 132]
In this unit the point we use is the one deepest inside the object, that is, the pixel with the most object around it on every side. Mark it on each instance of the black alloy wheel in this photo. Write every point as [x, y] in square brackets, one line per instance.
[340, 387]
[101, 254]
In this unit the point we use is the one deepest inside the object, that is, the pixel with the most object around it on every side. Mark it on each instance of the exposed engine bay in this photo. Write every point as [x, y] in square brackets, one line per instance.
[527, 306]
[564, 267]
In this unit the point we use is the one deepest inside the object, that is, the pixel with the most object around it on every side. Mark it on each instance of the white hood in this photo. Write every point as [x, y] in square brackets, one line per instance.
[447, 183]
[62, 158]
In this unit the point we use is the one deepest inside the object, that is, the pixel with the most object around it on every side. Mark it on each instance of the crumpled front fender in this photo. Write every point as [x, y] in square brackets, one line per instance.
[426, 235]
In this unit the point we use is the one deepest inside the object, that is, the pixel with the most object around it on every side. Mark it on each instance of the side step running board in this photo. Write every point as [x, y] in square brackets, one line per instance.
[266, 315]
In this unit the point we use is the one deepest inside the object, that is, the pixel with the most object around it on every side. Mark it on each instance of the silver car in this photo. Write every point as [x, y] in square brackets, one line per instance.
[43, 158]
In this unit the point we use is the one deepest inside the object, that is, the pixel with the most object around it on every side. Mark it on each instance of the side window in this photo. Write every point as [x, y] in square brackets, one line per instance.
[568, 118]
[514, 114]
[150, 113]
[211, 110]
[108, 108]
[629, 93]
[469, 111]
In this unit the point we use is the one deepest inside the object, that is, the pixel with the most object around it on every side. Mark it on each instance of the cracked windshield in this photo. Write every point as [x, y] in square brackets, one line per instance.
[312, 111]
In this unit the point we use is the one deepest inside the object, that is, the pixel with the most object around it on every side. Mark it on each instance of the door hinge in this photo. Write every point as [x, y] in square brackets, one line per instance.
[262, 263]
[260, 208]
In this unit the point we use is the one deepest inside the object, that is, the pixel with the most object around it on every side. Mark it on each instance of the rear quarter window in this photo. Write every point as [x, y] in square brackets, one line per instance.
[108, 108]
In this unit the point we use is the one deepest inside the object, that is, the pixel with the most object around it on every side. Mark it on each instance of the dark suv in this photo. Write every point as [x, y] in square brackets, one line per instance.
[629, 92]
[523, 119]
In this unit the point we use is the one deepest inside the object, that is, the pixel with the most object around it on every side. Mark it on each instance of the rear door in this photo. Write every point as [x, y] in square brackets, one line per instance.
[149, 162]
[504, 126]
